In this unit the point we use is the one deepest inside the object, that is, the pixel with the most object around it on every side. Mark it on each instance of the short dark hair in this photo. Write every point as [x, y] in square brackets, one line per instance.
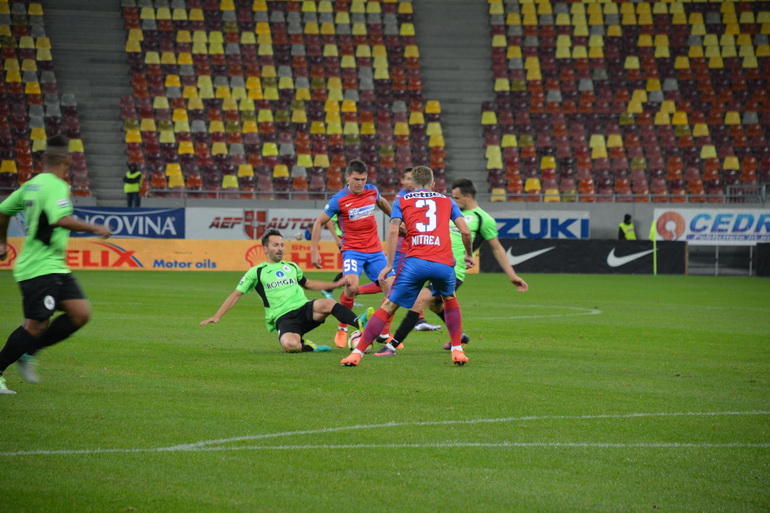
[269, 233]
[466, 186]
[356, 166]
[57, 150]
[406, 170]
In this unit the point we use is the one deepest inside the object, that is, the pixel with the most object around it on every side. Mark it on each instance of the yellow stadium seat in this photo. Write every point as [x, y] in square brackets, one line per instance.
[436, 141]
[8, 166]
[76, 146]
[662, 118]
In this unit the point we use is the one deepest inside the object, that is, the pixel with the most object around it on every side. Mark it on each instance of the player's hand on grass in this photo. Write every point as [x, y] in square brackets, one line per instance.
[520, 284]
[209, 321]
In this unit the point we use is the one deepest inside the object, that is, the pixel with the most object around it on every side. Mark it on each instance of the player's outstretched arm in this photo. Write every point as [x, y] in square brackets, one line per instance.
[502, 259]
[326, 285]
[315, 238]
[74, 224]
[230, 302]
[4, 221]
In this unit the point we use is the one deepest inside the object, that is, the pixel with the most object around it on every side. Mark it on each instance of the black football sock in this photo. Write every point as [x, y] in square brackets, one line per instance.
[19, 342]
[407, 325]
[306, 348]
[61, 327]
[345, 315]
[441, 314]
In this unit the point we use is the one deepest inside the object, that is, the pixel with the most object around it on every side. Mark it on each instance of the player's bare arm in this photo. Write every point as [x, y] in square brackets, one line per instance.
[333, 230]
[315, 238]
[4, 221]
[230, 302]
[499, 252]
[74, 224]
[383, 205]
[390, 248]
[326, 285]
[465, 232]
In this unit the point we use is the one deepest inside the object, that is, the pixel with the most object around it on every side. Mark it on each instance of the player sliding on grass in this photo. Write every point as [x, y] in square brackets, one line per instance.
[361, 247]
[287, 310]
[426, 215]
[483, 228]
[45, 280]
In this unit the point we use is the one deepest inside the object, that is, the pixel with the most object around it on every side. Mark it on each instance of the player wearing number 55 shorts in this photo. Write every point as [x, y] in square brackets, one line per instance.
[361, 248]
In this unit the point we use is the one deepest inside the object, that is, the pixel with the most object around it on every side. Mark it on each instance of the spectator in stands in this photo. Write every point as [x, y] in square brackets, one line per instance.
[133, 183]
[626, 229]
[41, 271]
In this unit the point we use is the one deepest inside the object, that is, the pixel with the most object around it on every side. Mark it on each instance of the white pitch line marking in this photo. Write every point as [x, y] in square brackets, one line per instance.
[580, 312]
[212, 445]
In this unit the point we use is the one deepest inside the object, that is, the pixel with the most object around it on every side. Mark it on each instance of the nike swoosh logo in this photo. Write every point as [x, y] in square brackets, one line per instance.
[614, 261]
[517, 259]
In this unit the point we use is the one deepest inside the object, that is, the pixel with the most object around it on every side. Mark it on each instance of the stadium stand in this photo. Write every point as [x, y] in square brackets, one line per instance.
[272, 98]
[626, 96]
[31, 109]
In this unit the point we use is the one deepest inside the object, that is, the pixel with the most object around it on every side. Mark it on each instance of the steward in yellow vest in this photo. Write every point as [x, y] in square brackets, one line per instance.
[626, 229]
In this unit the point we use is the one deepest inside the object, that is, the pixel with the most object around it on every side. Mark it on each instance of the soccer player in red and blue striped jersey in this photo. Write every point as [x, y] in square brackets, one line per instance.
[361, 248]
[426, 215]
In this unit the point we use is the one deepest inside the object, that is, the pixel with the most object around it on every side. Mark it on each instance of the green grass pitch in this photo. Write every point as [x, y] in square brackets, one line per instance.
[588, 393]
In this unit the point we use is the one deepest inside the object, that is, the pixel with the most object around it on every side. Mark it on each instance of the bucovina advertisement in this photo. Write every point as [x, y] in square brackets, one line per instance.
[228, 239]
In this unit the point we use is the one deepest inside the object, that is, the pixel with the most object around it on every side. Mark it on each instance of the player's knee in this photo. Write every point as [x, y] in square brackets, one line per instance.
[291, 345]
[323, 306]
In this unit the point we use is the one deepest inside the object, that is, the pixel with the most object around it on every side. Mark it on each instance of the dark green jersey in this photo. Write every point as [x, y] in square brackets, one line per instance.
[45, 199]
[279, 285]
[482, 226]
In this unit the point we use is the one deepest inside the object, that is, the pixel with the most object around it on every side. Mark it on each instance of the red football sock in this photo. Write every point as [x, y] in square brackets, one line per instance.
[453, 320]
[369, 288]
[373, 328]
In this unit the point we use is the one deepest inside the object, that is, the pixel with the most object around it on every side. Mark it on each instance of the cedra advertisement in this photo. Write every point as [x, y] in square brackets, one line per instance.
[712, 227]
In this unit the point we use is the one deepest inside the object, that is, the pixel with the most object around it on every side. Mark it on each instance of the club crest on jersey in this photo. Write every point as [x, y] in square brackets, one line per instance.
[280, 274]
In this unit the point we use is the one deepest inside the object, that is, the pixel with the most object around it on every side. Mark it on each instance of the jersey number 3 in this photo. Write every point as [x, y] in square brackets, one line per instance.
[430, 215]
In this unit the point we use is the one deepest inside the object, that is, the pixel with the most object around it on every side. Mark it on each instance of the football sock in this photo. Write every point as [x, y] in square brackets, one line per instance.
[407, 325]
[306, 348]
[345, 315]
[369, 288]
[386, 329]
[61, 327]
[348, 302]
[19, 342]
[373, 328]
[453, 320]
[441, 315]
